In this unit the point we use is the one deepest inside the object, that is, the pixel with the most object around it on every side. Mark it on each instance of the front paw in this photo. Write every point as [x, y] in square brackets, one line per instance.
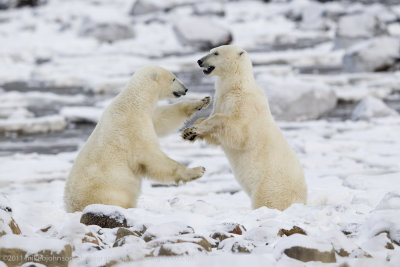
[195, 173]
[190, 134]
[204, 103]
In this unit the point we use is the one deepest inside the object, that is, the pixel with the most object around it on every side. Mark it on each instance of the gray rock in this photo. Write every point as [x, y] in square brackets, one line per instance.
[378, 54]
[201, 33]
[371, 107]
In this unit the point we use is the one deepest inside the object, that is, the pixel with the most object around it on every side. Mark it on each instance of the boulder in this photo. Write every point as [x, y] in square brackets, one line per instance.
[104, 216]
[8, 224]
[296, 100]
[17, 250]
[187, 238]
[371, 107]
[377, 54]
[201, 33]
[142, 7]
[107, 31]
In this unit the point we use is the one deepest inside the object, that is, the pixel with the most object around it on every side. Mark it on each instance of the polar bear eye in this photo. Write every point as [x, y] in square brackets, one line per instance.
[216, 53]
[173, 79]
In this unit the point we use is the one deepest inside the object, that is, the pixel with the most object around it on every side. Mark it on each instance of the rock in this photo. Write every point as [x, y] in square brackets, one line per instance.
[166, 229]
[90, 238]
[125, 232]
[378, 54]
[219, 236]
[178, 249]
[390, 201]
[6, 4]
[234, 228]
[236, 245]
[355, 27]
[371, 107]
[187, 238]
[107, 31]
[8, 224]
[295, 100]
[104, 216]
[201, 33]
[129, 239]
[310, 254]
[17, 250]
[295, 230]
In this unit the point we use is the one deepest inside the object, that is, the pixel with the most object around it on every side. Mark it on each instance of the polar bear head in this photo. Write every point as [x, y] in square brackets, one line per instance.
[163, 83]
[225, 60]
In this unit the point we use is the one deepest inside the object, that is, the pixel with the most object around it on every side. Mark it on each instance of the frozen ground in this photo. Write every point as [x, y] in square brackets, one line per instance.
[62, 62]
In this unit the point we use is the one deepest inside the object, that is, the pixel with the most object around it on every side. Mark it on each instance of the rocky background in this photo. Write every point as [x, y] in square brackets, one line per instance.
[330, 70]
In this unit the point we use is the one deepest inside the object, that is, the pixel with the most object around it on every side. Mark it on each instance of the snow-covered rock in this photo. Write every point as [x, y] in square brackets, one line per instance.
[209, 9]
[295, 100]
[33, 125]
[104, 216]
[372, 107]
[17, 249]
[201, 33]
[166, 229]
[378, 54]
[107, 32]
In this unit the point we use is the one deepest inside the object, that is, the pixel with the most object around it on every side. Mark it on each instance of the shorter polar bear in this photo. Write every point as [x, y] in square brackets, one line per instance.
[242, 124]
[123, 147]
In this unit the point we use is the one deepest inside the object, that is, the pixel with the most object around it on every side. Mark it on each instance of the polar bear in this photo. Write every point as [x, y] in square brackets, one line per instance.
[241, 123]
[123, 147]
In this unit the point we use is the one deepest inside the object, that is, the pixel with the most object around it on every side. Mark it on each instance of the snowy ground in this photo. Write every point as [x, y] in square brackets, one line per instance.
[59, 70]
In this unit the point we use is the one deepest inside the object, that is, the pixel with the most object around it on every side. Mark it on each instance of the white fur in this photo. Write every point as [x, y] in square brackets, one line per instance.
[242, 124]
[123, 147]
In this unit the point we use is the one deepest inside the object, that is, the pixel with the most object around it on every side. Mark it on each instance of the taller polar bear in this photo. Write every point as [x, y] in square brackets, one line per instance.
[241, 123]
[124, 147]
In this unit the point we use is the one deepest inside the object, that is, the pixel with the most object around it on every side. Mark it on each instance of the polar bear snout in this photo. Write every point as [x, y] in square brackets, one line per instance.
[180, 93]
[207, 69]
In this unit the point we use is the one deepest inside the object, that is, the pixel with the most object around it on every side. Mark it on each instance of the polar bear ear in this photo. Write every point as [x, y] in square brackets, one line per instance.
[241, 53]
[154, 76]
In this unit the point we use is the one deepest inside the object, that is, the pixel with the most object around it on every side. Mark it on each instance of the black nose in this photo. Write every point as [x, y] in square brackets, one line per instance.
[186, 90]
[199, 62]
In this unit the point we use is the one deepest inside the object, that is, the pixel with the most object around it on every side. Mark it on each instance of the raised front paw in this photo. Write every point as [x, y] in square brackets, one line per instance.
[191, 174]
[204, 103]
[190, 134]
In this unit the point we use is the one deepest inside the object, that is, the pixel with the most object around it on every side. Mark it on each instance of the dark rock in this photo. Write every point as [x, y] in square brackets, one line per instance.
[124, 232]
[234, 228]
[219, 236]
[294, 230]
[104, 221]
[310, 254]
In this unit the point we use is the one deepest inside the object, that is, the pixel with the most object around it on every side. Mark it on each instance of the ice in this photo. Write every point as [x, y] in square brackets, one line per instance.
[371, 107]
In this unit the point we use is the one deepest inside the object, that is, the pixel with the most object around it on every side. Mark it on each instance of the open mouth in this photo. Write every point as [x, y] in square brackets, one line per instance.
[208, 70]
[179, 94]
